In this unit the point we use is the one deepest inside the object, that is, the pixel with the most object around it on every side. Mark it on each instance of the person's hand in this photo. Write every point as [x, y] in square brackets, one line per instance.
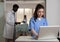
[37, 36]
[17, 23]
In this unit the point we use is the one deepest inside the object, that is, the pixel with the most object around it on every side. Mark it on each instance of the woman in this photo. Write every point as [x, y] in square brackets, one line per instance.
[37, 20]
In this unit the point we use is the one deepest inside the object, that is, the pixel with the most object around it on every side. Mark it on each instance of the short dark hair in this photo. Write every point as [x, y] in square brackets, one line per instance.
[15, 5]
[39, 6]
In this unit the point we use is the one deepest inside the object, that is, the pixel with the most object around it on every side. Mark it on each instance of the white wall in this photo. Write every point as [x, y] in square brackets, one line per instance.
[1, 21]
[59, 11]
[53, 12]
[53, 16]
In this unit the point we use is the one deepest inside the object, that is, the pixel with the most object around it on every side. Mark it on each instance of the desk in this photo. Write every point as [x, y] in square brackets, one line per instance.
[30, 39]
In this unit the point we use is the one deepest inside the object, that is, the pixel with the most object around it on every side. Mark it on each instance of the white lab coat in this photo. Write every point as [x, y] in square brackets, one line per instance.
[9, 25]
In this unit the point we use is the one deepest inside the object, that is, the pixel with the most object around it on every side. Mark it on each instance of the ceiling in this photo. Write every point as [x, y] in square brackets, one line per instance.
[1, 0]
[25, 0]
[26, 4]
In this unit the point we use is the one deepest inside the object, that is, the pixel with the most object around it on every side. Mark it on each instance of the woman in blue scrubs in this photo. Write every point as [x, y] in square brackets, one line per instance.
[37, 20]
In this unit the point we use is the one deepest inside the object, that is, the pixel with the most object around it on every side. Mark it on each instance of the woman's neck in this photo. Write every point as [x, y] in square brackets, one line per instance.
[39, 17]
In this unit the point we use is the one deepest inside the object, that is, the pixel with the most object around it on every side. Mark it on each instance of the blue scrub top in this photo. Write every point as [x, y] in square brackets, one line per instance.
[36, 24]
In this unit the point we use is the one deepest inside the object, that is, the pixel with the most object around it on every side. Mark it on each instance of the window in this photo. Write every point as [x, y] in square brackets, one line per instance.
[24, 11]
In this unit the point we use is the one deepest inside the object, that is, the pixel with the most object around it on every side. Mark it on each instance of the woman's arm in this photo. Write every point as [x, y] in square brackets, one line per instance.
[31, 27]
[36, 34]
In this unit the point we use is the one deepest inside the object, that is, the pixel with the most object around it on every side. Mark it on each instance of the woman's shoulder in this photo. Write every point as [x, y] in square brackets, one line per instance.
[32, 19]
[44, 18]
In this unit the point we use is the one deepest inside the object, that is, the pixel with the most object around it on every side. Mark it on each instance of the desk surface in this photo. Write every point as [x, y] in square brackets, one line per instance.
[29, 38]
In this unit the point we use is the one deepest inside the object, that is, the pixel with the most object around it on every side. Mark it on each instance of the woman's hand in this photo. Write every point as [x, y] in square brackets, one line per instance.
[37, 36]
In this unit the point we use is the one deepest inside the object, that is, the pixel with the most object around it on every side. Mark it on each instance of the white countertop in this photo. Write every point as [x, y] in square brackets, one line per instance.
[51, 26]
[29, 38]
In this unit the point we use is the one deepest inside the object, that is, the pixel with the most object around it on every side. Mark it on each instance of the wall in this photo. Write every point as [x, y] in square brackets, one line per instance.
[1, 21]
[52, 13]
[59, 11]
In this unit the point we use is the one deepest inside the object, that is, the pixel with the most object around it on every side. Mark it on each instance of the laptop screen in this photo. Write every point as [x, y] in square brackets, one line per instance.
[48, 32]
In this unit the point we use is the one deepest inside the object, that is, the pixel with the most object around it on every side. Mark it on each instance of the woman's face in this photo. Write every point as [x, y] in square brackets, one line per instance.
[40, 12]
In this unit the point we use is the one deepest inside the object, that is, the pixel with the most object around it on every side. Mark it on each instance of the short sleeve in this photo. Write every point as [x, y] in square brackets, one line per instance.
[45, 22]
[31, 24]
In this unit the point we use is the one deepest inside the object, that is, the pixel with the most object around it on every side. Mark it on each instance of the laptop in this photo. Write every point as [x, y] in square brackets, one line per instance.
[48, 32]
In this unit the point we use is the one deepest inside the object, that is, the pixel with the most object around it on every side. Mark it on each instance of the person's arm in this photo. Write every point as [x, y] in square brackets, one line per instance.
[31, 26]
[34, 32]
[9, 19]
